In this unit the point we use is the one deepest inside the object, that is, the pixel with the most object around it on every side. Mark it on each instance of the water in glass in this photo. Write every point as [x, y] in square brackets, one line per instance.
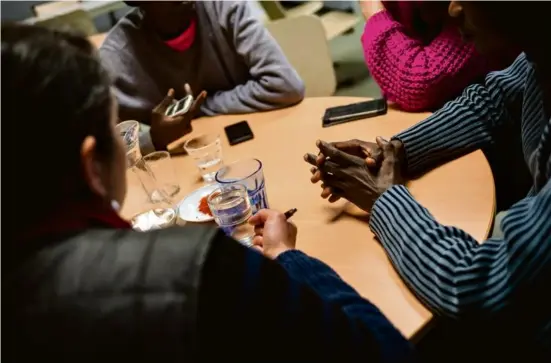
[232, 209]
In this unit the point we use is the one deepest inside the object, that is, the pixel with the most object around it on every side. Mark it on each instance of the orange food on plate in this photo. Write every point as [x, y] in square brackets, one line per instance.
[204, 206]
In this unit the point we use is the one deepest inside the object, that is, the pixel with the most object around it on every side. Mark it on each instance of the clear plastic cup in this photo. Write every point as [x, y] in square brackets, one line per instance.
[231, 209]
[206, 151]
[248, 172]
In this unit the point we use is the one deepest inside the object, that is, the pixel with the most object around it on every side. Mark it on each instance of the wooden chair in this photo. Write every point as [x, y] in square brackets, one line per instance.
[334, 22]
[276, 11]
[303, 42]
[77, 20]
[53, 8]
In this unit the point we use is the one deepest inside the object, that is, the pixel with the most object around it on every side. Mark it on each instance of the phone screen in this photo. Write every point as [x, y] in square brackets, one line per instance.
[179, 107]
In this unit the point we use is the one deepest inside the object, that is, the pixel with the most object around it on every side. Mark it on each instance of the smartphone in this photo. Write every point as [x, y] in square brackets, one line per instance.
[355, 111]
[179, 107]
[239, 132]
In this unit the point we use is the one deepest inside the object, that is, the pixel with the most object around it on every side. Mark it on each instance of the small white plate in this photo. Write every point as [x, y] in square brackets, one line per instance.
[188, 208]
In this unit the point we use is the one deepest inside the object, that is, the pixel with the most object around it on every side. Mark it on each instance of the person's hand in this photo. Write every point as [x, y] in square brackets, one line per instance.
[349, 176]
[165, 129]
[274, 234]
[370, 151]
[370, 8]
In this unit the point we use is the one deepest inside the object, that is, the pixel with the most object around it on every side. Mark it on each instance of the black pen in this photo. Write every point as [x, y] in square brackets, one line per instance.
[288, 214]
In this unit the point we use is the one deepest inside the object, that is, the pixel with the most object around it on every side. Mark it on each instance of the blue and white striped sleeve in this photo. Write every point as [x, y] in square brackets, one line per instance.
[466, 123]
[446, 267]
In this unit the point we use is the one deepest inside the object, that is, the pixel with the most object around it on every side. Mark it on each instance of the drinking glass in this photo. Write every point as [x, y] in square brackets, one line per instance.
[160, 163]
[231, 208]
[130, 133]
[206, 151]
[249, 173]
[157, 213]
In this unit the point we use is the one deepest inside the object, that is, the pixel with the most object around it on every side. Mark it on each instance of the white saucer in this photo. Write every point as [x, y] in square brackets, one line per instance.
[188, 208]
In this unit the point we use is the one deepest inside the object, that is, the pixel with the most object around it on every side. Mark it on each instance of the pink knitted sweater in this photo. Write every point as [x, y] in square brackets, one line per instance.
[415, 75]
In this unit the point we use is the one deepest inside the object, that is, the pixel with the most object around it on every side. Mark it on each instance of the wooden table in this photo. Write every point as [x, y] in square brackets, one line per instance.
[460, 193]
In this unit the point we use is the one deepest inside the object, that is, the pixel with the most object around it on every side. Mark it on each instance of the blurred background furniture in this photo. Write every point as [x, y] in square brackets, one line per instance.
[76, 19]
[335, 22]
[313, 63]
[53, 7]
[92, 8]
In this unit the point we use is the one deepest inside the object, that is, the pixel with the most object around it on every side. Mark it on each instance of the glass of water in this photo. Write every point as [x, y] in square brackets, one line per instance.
[156, 213]
[231, 208]
[248, 172]
[206, 150]
[162, 166]
[130, 133]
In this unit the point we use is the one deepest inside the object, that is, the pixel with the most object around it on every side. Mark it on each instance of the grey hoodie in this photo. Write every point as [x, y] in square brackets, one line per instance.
[234, 58]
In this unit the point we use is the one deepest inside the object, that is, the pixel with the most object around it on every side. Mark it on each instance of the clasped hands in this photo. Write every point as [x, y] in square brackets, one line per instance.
[356, 170]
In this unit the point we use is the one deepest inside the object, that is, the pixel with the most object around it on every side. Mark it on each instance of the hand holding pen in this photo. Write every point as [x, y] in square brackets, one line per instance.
[274, 234]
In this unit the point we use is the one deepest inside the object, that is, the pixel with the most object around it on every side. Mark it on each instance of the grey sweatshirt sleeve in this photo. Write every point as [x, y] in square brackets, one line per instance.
[131, 106]
[466, 123]
[273, 84]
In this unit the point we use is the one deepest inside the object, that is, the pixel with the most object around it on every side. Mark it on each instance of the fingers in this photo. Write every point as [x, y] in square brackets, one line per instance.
[198, 102]
[386, 147]
[167, 101]
[263, 215]
[326, 191]
[334, 194]
[371, 162]
[187, 90]
[259, 230]
[352, 147]
[258, 242]
[311, 159]
[373, 156]
[336, 155]
[316, 175]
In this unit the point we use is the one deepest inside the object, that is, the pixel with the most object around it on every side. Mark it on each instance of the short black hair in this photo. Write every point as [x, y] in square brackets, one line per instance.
[55, 94]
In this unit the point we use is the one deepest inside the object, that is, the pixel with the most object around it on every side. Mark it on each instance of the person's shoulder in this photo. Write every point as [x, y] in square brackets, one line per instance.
[109, 261]
[223, 11]
[123, 33]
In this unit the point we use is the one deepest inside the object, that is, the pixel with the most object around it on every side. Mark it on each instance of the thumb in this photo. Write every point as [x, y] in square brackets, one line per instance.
[391, 162]
[387, 148]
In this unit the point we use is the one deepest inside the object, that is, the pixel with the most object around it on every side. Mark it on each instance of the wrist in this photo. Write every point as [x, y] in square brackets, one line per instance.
[274, 253]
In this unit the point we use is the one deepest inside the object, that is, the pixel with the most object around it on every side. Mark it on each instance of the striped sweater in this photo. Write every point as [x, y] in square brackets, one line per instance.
[455, 276]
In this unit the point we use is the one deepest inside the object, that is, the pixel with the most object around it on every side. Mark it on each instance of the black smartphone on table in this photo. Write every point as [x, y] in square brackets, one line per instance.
[355, 111]
[239, 132]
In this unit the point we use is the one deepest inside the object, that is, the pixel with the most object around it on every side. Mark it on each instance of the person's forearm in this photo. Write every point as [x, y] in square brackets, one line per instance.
[246, 297]
[272, 83]
[448, 269]
[465, 124]
[253, 96]
[332, 289]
